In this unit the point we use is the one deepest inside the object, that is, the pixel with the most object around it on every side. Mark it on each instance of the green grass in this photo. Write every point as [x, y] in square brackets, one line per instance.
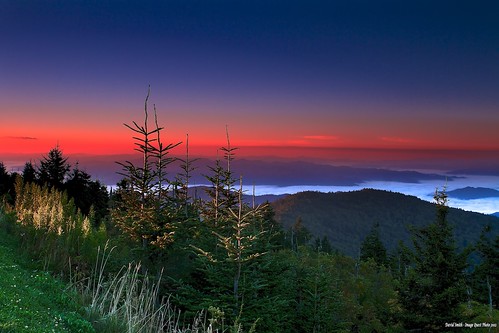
[32, 300]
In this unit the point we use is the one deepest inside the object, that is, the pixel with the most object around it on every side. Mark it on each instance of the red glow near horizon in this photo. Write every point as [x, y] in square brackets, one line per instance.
[294, 149]
[101, 132]
[121, 142]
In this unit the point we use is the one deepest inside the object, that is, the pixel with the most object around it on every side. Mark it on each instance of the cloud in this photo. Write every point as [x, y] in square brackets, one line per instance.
[313, 140]
[321, 137]
[398, 139]
[19, 138]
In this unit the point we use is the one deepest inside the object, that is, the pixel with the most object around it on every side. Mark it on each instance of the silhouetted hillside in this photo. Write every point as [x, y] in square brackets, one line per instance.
[264, 172]
[200, 192]
[469, 193]
[347, 217]
[289, 173]
[488, 170]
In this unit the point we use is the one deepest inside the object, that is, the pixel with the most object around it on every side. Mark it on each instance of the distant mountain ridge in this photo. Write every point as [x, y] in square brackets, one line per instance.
[267, 172]
[347, 217]
[490, 170]
[200, 192]
[469, 193]
[305, 173]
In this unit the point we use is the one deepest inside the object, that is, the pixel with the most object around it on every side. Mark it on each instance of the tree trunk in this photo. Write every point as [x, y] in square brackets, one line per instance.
[489, 287]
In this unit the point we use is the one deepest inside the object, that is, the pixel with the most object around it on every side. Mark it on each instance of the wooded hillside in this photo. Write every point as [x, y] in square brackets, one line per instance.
[346, 217]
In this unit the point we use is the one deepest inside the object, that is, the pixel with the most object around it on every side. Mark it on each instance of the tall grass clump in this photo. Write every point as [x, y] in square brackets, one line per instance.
[130, 302]
[50, 226]
[123, 302]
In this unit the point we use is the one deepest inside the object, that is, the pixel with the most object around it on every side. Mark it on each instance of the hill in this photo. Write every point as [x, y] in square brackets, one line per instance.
[469, 193]
[347, 217]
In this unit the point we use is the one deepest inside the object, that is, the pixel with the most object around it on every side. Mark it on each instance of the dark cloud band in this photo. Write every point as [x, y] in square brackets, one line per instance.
[20, 138]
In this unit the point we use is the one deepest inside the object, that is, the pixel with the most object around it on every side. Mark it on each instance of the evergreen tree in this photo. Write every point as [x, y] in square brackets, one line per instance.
[433, 289]
[184, 177]
[486, 275]
[372, 247]
[4, 179]
[100, 202]
[238, 233]
[323, 245]
[318, 301]
[77, 187]
[232, 250]
[222, 193]
[54, 168]
[400, 261]
[6, 185]
[299, 234]
[89, 196]
[29, 173]
[145, 212]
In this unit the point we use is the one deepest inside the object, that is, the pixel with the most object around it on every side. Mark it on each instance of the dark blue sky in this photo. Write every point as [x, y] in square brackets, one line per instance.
[403, 74]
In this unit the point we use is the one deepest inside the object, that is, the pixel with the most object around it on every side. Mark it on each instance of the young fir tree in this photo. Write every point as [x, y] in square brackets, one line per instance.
[433, 289]
[232, 274]
[231, 252]
[372, 247]
[299, 235]
[323, 245]
[486, 275]
[400, 261]
[145, 212]
[222, 192]
[320, 300]
[182, 181]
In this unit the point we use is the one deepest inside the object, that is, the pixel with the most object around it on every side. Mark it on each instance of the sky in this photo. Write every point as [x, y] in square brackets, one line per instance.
[287, 78]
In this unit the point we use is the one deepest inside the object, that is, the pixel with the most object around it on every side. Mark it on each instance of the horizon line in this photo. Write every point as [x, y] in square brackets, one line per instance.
[351, 148]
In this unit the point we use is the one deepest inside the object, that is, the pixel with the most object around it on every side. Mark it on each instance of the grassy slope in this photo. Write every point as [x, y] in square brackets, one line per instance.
[32, 300]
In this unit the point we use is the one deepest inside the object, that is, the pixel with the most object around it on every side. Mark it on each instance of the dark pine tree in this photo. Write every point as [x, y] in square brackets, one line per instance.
[77, 187]
[372, 247]
[4, 176]
[323, 245]
[433, 289]
[53, 168]
[299, 235]
[486, 275]
[89, 196]
[6, 185]
[29, 173]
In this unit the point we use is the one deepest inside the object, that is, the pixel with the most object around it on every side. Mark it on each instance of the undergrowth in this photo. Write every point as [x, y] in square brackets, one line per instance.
[129, 302]
[32, 300]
